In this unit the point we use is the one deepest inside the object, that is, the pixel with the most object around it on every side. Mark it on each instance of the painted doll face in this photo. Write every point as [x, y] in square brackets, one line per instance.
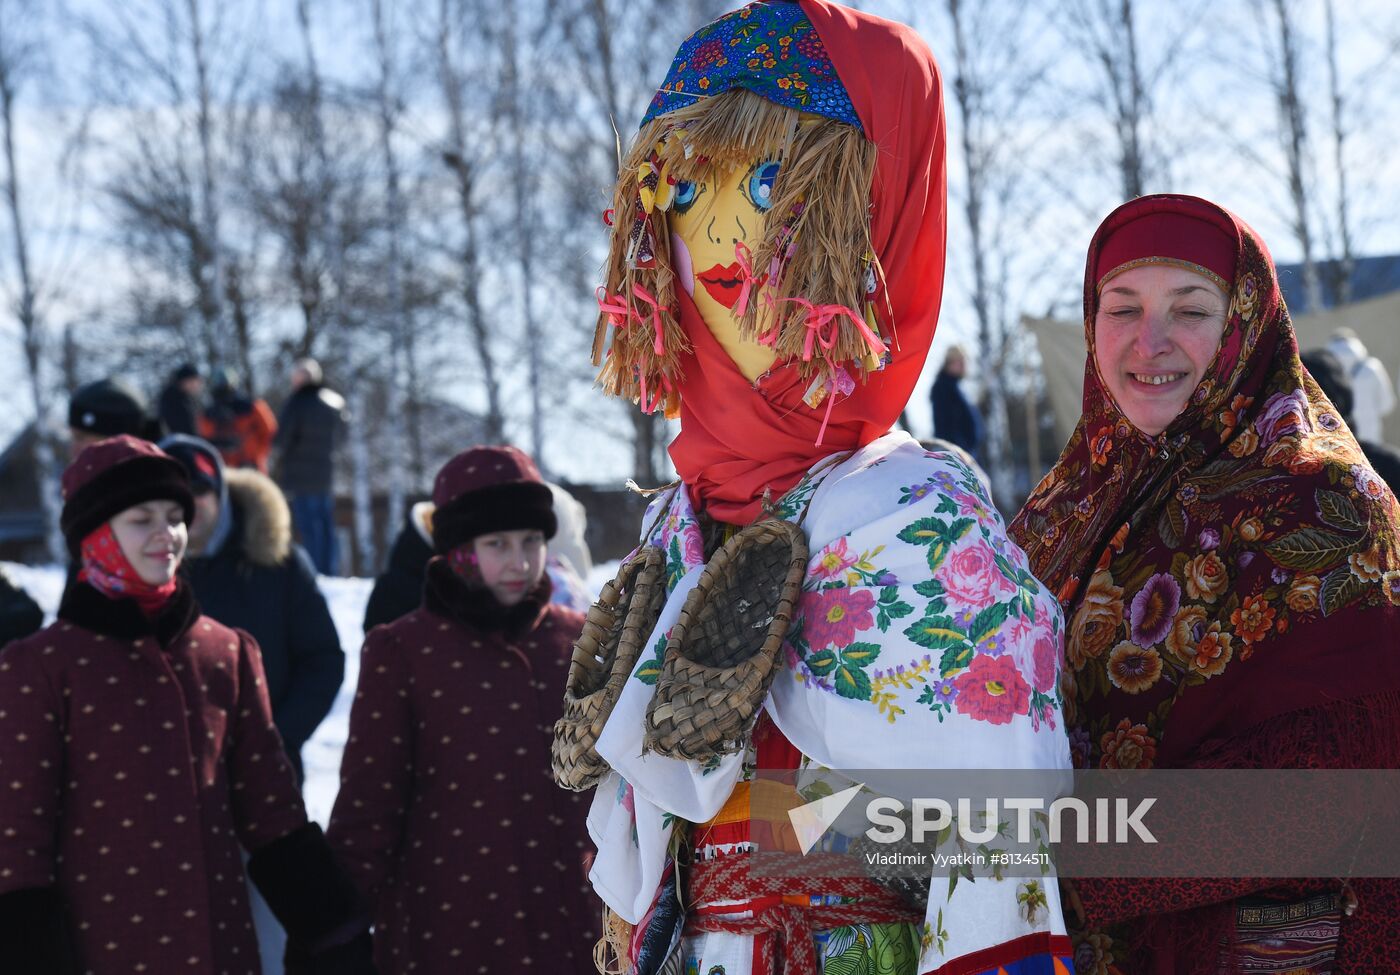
[707, 221]
[1155, 333]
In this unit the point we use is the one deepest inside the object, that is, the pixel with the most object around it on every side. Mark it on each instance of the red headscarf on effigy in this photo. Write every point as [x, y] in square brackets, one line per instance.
[738, 439]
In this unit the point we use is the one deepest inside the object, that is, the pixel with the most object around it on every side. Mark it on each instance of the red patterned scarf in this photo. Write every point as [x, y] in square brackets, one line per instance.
[106, 568]
[1239, 566]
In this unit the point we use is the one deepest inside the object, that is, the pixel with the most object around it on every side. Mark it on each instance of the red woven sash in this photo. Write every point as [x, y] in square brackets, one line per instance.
[790, 949]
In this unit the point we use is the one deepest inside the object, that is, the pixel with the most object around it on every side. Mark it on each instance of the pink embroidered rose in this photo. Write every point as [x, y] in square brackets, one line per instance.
[1036, 651]
[970, 576]
[694, 550]
[992, 690]
[833, 617]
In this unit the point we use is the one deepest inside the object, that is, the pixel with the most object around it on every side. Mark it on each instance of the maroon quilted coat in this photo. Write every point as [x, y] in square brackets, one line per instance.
[447, 815]
[136, 756]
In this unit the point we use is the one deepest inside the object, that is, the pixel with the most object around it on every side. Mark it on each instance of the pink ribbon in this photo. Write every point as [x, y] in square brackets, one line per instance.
[651, 407]
[822, 321]
[621, 313]
[614, 307]
[658, 346]
[826, 417]
[745, 259]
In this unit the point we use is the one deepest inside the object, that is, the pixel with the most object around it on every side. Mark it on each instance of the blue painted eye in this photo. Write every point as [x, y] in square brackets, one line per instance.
[760, 186]
[684, 196]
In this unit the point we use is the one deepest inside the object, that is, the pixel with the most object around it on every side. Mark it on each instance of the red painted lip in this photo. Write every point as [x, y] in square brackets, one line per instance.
[722, 283]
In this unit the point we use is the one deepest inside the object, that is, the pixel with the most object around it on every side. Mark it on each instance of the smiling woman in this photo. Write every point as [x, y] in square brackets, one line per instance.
[1230, 568]
[1155, 334]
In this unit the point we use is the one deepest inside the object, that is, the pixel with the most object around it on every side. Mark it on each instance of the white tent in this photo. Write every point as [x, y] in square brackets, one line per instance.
[1376, 322]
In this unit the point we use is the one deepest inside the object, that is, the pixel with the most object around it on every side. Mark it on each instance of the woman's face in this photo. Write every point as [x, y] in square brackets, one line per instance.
[707, 220]
[152, 537]
[1155, 333]
[510, 562]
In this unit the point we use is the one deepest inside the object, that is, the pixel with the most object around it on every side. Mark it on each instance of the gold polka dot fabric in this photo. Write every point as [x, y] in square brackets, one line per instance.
[132, 771]
[447, 814]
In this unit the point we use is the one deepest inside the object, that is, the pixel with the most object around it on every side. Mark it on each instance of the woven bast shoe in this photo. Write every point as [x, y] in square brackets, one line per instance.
[722, 653]
[608, 648]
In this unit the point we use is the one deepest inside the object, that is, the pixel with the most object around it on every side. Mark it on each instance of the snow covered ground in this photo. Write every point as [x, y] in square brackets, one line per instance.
[346, 598]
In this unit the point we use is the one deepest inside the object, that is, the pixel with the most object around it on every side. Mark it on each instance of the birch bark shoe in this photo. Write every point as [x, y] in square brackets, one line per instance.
[614, 631]
[723, 652]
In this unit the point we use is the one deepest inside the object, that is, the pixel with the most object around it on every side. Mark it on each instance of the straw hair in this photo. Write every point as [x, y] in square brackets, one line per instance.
[613, 634]
[611, 952]
[818, 228]
[722, 654]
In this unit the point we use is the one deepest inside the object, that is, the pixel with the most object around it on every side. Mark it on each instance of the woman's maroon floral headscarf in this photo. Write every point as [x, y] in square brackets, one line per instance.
[1239, 566]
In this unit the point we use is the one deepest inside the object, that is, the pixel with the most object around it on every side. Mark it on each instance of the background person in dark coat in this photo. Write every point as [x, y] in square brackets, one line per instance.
[179, 401]
[308, 433]
[20, 615]
[955, 419]
[247, 572]
[107, 408]
[1331, 375]
[398, 590]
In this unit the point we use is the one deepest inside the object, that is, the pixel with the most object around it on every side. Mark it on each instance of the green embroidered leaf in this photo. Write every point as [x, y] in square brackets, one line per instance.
[956, 659]
[675, 563]
[930, 588]
[1004, 566]
[822, 662]
[648, 672]
[899, 610]
[888, 594]
[1311, 549]
[987, 622]
[1025, 602]
[1027, 581]
[937, 551]
[936, 633]
[959, 528]
[1338, 511]
[650, 669]
[860, 654]
[922, 532]
[925, 531]
[852, 682]
[946, 505]
[1340, 588]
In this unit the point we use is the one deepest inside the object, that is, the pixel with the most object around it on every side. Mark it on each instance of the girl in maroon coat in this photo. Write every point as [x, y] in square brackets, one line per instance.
[447, 815]
[137, 754]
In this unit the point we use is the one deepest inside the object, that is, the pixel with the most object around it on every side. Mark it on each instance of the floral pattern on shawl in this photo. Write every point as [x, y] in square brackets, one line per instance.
[927, 620]
[1249, 541]
[861, 658]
